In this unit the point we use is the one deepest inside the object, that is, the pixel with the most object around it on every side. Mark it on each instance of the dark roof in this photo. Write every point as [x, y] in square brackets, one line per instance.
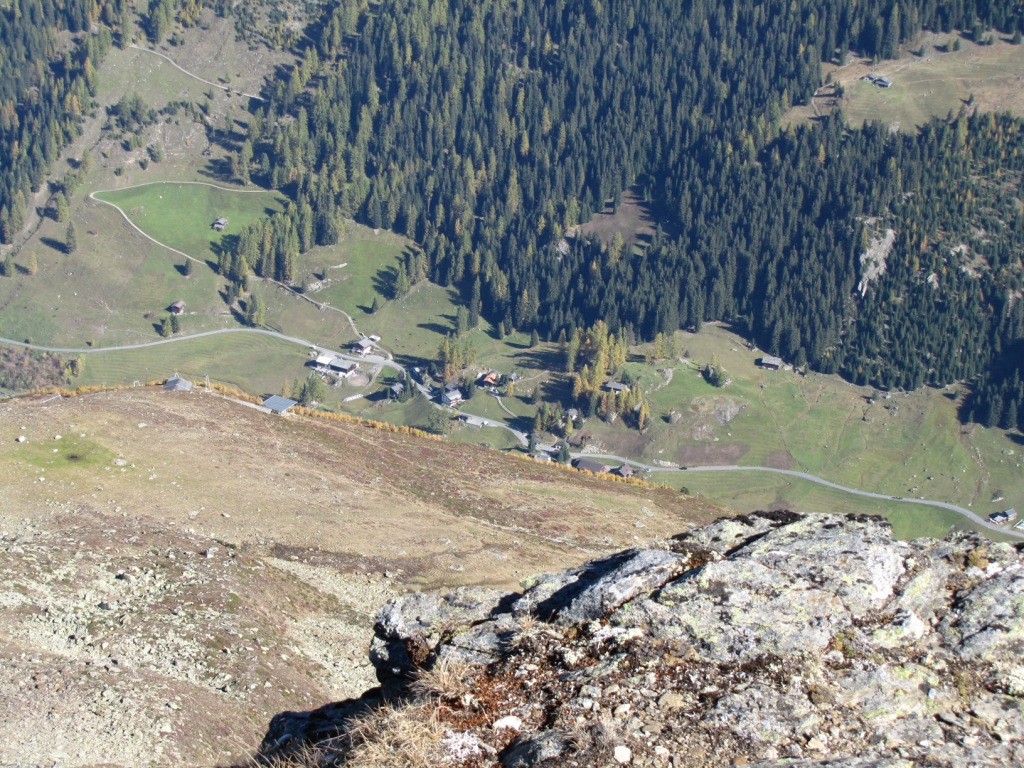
[625, 471]
[279, 404]
[362, 343]
[178, 306]
[178, 384]
[590, 465]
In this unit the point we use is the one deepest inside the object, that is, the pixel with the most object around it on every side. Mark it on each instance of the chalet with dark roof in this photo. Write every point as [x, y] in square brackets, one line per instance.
[591, 465]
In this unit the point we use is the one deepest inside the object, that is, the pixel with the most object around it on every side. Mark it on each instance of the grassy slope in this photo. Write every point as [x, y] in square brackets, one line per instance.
[181, 215]
[253, 362]
[907, 445]
[929, 85]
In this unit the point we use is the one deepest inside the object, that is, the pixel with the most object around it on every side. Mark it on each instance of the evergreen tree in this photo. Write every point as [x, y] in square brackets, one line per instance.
[70, 239]
[255, 311]
[314, 390]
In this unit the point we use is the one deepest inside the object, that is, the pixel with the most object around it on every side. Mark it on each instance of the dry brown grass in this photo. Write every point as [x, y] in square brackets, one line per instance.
[403, 736]
[448, 680]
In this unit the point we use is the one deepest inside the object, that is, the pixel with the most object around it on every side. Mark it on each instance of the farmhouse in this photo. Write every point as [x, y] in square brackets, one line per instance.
[279, 405]
[362, 346]
[177, 384]
[877, 80]
[342, 368]
[490, 379]
[220, 223]
[452, 395]
[770, 362]
[177, 307]
[625, 471]
[590, 465]
[615, 386]
[1004, 517]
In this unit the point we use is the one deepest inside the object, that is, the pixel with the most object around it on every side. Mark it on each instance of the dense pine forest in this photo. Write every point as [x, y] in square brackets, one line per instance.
[48, 59]
[488, 130]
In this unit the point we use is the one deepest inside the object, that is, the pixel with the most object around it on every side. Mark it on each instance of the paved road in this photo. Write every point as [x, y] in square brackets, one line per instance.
[972, 516]
[521, 437]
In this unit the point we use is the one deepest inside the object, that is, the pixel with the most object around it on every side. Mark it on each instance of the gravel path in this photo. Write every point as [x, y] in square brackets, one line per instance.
[196, 77]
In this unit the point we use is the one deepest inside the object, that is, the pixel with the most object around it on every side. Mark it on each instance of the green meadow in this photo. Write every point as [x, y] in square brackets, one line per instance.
[181, 214]
[253, 362]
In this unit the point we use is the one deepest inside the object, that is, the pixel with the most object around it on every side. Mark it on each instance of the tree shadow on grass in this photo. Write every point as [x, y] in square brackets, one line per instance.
[542, 358]
[56, 245]
[218, 168]
[385, 282]
[443, 330]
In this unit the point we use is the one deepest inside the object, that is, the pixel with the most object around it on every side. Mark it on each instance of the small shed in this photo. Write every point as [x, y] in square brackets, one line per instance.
[615, 386]
[625, 471]
[177, 384]
[883, 82]
[220, 223]
[279, 405]
[177, 307]
[770, 362]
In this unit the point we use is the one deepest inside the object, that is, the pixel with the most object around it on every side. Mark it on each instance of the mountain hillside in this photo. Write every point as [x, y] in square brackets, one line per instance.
[178, 568]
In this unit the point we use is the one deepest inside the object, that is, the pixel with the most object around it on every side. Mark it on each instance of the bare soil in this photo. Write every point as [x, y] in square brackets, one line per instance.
[178, 568]
[632, 218]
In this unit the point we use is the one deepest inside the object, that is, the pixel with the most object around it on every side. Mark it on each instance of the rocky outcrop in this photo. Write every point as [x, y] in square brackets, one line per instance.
[766, 639]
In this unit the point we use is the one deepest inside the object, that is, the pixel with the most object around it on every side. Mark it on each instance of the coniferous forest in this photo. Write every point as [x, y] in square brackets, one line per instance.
[486, 130]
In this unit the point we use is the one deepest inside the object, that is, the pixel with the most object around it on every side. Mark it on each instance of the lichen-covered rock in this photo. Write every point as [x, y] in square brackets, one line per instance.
[739, 609]
[987, 621]
[593, 590]
[770, 639]
[535, 749]
[408, 629]
[761, 714]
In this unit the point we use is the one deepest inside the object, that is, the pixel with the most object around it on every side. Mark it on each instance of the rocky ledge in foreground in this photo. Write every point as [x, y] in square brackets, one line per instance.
[768, 639]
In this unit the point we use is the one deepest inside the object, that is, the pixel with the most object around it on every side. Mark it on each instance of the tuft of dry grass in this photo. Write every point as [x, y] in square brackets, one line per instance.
[448, 680]
[397, 736]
